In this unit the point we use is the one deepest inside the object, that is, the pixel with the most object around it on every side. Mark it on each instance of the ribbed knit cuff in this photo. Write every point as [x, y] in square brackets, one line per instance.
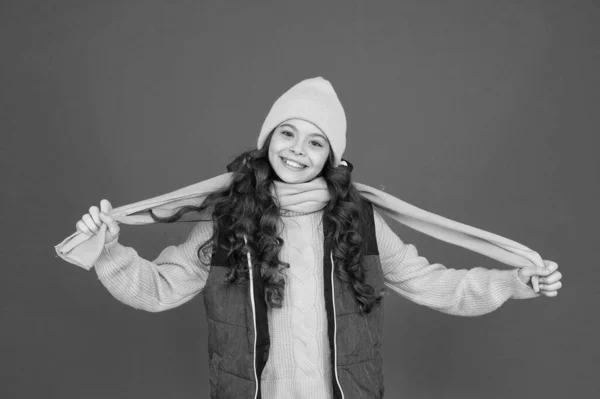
[519, 288]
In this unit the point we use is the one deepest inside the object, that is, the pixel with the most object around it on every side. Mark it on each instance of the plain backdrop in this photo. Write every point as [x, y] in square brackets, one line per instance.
[485, 112]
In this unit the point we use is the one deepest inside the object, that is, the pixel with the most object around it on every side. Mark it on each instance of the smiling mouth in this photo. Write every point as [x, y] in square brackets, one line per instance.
[292, 164]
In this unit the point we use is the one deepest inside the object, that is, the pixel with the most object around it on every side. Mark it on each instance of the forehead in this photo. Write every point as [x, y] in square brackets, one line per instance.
[301, 125]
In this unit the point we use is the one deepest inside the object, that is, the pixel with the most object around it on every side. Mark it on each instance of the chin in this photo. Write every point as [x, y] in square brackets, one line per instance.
[287, 178]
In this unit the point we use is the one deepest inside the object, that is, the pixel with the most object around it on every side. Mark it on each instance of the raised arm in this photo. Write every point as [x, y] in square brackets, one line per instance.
[463, 292]
[172, 279]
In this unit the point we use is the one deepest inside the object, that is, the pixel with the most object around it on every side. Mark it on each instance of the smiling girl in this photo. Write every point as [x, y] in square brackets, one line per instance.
[293, 261]
[299, 146]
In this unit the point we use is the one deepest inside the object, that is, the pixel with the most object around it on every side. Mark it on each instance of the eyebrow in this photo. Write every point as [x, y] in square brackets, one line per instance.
[294, 129]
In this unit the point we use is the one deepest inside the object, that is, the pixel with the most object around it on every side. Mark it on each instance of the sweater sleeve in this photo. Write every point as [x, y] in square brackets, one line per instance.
[172, 279]
[463, 292]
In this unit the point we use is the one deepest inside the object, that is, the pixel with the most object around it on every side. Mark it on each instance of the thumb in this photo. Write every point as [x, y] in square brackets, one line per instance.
[105, 206]
[111, 223]
[543, 271]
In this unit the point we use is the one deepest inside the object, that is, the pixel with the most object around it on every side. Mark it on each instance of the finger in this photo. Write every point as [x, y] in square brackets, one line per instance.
[83, 228]
[87, 219]
[549, 293]
[554, 277]
[105, 206]
[94, 211]
[551, 287]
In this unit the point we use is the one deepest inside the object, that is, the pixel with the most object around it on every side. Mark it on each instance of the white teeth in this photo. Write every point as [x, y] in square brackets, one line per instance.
[293, 164]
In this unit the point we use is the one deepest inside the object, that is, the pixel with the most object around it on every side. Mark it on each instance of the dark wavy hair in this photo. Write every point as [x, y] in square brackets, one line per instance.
[248, 209]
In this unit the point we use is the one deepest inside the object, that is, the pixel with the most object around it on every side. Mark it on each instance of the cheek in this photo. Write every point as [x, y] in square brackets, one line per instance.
[273, 158]
[320, 158]
[274, 148]
[275, 139]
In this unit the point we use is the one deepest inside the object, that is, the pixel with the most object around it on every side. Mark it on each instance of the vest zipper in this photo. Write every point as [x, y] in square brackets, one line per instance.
[334, 328]
[253, 318]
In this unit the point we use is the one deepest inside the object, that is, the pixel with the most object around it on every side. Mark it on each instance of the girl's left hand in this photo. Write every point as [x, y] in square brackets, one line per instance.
[549, 277]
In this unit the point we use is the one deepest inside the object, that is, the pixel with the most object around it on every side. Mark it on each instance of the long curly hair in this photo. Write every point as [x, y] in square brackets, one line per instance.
[248, 209]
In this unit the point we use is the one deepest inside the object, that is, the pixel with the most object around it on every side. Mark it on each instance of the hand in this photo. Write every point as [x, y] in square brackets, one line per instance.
[91, 222]
[549, 277]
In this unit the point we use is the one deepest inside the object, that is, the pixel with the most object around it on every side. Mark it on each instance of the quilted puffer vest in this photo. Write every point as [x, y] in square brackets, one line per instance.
[238, 333]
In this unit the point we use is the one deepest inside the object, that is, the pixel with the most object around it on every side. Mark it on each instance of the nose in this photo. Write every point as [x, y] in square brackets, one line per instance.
[297, 148]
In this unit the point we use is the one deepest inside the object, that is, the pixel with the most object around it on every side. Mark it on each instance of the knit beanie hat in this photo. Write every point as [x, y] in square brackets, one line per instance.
[315, 101]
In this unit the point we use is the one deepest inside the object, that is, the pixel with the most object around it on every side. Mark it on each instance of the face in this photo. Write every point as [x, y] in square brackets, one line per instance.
[298, 151]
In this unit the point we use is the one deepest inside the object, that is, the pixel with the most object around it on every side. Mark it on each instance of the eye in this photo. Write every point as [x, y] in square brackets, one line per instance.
[316, 143]
[287, 133]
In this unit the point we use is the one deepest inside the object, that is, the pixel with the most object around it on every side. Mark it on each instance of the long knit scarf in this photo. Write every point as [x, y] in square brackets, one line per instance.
[83, 250]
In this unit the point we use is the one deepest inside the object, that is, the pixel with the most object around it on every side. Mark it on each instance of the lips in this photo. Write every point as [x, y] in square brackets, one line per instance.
[292, 164]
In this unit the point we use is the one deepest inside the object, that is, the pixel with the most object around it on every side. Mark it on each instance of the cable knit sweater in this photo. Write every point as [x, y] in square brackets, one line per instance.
[298, 364]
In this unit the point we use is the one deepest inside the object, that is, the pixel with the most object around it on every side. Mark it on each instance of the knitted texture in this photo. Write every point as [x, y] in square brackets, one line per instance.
[298, 363]
[299, 354]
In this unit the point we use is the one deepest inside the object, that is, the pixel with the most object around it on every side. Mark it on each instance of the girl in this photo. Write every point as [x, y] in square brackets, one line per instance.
[292, 259]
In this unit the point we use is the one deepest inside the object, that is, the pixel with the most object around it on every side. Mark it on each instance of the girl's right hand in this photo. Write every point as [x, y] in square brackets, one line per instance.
[91, 222]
